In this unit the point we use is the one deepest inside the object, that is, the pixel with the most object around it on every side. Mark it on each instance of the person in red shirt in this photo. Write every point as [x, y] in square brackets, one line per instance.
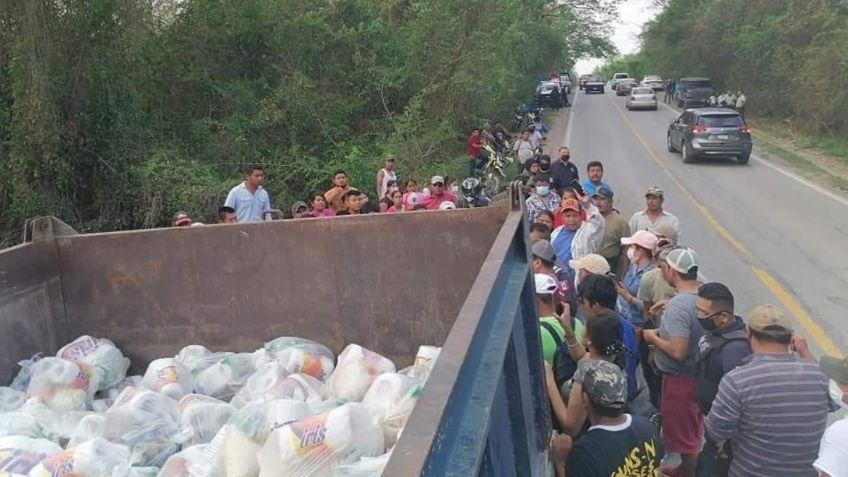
[475, 151]
[438, 194]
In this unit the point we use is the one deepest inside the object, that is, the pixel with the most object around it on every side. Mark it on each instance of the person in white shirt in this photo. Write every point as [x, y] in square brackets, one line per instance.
[384, 176]
[833, 451]
[249, 199]
[740, 103]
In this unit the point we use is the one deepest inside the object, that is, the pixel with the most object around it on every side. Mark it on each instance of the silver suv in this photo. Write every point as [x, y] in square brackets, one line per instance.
[706, 132]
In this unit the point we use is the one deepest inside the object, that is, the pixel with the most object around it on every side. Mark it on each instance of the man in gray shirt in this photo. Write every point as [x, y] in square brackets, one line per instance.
[773, 408]
[676, 356]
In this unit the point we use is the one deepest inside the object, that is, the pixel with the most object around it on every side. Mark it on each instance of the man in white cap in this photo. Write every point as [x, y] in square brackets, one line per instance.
[551, 329]
[653, 215]
[676, 344]
[592, 264]
[438, 194]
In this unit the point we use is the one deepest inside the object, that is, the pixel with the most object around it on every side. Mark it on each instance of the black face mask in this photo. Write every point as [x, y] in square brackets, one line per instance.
[708, 325]
[565, 158]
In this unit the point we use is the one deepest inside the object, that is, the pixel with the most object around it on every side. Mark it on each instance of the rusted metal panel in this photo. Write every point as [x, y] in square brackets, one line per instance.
[388, 282]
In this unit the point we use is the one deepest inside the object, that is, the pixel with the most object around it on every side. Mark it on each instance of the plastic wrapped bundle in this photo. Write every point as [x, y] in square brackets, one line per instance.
[19, 455]
[201, 417]
[356, 370]
[223, 379]
[148, 423]
[198, 357]
[143, 472]
[393, 396]
[112, 393]
[62, 385]
[94, 458]
[21, 381]
[178, 464]
[272, 382]
[425, 360]
[169, 377]
[315, 446]
[37, 421]
[90, 427]
[299, 355]
[11, 399]
[364, 467]
[101, 355]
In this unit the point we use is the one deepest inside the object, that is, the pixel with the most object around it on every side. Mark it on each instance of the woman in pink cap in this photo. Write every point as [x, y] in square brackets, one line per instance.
[640, 251]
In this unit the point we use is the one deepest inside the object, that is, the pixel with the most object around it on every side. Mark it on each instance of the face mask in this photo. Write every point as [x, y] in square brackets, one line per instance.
[631, 254]
[455, 189]
[543, 190]
[708, 325]
[565, 158]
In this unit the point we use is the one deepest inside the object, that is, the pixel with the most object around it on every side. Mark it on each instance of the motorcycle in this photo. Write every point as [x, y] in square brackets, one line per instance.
[525, 115]
[471, 194]
[494, 170]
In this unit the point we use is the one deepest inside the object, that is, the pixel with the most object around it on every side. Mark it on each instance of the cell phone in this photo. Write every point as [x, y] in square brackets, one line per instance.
[577, 187]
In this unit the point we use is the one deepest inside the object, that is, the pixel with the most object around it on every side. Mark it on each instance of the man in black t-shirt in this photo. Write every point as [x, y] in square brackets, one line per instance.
[617, 443]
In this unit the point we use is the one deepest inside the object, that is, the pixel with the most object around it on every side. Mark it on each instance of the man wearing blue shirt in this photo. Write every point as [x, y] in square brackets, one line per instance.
[595, 171]
[249, 199]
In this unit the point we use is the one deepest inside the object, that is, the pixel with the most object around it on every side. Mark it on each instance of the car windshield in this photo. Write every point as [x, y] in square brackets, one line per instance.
[721, 121]
[698, 84]
[627, 81]
[620, 75]
[642, 91]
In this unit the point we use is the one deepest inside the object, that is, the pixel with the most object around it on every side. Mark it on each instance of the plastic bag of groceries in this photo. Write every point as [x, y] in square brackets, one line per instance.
[232, 453]
[201, 417]
[271, 381]
[148, 423]
[298, 355]
[198, 357]
[101, 355]
[169, 377]
[393, 396]
[11, 399]
[316, 445]
[94, 458]
[112, 393]
[18, 455]
[90, 427]
[364, 467]
[178, 464]
[21, 381]
[143, 472]
[425, 360]
[225, 377]
[356, 370]
[37, 421]
[62, 385]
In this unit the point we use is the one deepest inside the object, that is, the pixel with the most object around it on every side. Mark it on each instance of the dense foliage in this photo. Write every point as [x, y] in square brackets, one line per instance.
[788, 56]
[114, 114]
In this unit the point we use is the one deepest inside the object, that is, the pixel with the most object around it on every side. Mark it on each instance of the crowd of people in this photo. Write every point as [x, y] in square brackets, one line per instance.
[727, 99]
[643, 359]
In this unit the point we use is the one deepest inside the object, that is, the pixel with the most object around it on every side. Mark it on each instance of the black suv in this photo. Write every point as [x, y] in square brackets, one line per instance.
[694, 92]
[710, 132]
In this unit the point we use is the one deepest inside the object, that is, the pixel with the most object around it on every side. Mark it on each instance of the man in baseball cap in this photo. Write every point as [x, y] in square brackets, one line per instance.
[577, 238]
[592, 264]
[438, 194]
[833, 453]
[551, 330]
[617, 443]
[653, 215]
[615, 228]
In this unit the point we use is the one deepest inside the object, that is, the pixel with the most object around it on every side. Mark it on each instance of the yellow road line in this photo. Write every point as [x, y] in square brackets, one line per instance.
[791, 304]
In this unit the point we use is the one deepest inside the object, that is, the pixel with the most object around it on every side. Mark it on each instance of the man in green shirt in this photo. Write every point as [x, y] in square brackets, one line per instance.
[546, 287]
[615, 228]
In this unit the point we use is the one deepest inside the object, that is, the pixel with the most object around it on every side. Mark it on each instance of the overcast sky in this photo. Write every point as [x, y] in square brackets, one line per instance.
[633, 14]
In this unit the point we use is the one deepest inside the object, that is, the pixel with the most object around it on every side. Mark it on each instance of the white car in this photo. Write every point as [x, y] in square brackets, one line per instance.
[641, 97]
[654, 82]
[618, 77]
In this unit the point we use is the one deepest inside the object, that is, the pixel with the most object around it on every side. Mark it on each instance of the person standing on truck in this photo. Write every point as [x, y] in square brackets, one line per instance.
[653, 215]
[384, 177]
[595, 171]
[618, 443]
[575, 238]
[249, 199]
[676, 356]
[340, 188]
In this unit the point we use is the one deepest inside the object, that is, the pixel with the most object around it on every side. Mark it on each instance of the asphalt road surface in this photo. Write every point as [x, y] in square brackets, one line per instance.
[768, 236]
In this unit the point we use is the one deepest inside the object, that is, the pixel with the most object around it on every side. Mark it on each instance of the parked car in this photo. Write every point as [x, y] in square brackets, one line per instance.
[694, 92]
[654, 82]
[548, 94]
[642, 97]
[707, 132]
[618, 77]
[581, 82]
[624, 86]
[595, 84]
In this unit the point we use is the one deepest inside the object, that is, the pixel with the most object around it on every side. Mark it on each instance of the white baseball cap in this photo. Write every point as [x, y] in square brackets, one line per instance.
[592, 263]
[447, 205]
[683, 260]
[545, 284]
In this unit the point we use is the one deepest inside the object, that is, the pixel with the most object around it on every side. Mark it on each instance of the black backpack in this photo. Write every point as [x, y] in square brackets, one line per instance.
[564, 365]
[707, 379]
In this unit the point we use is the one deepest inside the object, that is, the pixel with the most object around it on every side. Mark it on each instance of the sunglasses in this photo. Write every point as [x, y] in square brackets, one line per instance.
[709, 317]
[438, 184]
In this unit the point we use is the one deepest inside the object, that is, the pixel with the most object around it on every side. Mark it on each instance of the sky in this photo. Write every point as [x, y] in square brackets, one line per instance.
[632, 15]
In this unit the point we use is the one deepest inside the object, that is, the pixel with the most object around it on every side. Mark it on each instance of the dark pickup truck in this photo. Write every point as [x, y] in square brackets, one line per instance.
[694, 92]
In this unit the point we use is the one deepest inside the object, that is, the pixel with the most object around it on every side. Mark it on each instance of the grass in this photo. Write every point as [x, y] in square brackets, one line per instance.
[833, 147]
[766, 142]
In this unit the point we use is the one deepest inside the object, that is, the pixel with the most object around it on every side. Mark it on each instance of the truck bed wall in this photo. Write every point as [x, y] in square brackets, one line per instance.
[390, 283]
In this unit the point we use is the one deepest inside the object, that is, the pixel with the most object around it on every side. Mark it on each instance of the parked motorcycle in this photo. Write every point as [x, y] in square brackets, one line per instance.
[494, 170]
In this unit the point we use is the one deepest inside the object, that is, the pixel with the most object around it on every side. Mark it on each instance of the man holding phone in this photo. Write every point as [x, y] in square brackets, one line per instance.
[595, 171]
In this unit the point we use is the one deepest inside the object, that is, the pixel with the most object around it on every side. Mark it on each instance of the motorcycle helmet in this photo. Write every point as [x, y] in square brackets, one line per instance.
[469, 187]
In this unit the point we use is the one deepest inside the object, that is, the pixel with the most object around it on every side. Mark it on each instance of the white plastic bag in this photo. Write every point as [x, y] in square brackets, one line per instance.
[11, 399]
[21, 381]
[143, 472]
[169, 377]
[364, 467]
[315, 446]
[356, 370]
[223, 379]
[272, 382]
[37, 421]
[197, 358]
[393, 396]
[94, 458]
[148, 423]
[101, 355]
[90, 427]
[299, 355]
[62, 385]
[18, 455]
[178, 464]
[201, 417]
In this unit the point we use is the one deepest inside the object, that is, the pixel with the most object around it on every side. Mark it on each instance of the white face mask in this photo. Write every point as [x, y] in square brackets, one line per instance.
[454, 188]
[631, 254]
[543, 190]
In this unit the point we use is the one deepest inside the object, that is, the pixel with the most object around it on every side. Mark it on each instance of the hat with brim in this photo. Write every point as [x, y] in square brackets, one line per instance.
[299, 205]
[605, 384]
[770, 320]
[592, 263]
[570, 204]
[543, 250]
[642, 238]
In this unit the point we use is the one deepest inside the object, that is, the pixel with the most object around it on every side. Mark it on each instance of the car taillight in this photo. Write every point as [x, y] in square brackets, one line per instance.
[745, 130]
[699, 130]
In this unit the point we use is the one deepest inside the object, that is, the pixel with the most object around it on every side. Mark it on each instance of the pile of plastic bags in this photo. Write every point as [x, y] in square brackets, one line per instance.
[289, 409]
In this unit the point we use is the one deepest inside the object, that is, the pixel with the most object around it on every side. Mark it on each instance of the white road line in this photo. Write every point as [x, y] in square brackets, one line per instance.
[567, 139]
[821, 190]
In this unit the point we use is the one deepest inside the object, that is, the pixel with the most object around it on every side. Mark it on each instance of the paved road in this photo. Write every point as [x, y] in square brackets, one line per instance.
[770, 238]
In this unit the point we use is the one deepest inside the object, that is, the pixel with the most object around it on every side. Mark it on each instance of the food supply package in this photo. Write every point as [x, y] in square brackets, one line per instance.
[197, 358]
[21, 381]
[364, 467]
[94, 458]
[201, 417]
[148, 423]
[273, 382]
[11, 399]
[62, 385]
[89, 427]
[298, 355]
[315, 446]
[36, 420]
[394, 396]
[178, 464]
[143, 472]
[169, 377]
[101, 355]
[224, 378]
[356, 370]
[18, 455]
